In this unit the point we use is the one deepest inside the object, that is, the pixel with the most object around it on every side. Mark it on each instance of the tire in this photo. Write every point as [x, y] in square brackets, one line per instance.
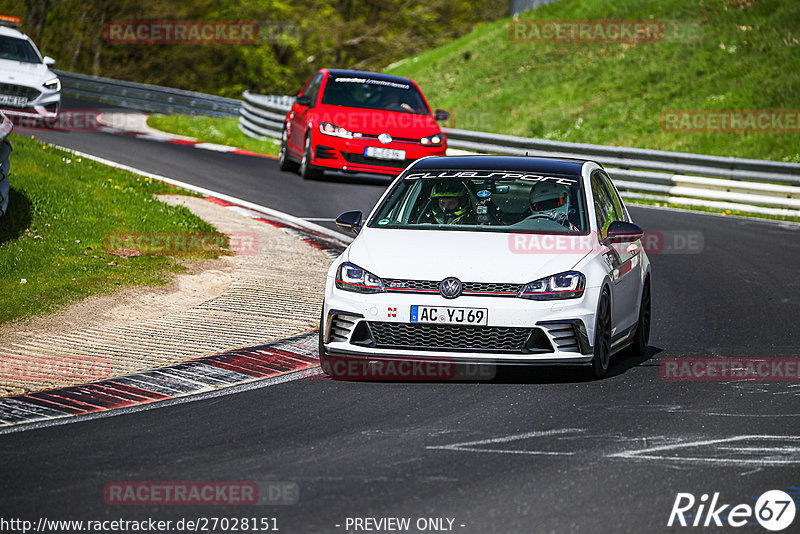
[641, 338]
[284, 163]
[308, 171]
[602, 338]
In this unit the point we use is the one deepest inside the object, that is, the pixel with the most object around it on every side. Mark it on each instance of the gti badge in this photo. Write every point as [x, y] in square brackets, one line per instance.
[385, 138]
[450, 288]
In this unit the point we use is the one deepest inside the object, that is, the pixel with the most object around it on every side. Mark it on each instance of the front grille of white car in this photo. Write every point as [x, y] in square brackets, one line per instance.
[415, 336]
[487, 289]
[11, 89]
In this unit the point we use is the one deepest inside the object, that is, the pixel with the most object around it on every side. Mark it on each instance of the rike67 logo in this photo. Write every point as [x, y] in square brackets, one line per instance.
[774, 510]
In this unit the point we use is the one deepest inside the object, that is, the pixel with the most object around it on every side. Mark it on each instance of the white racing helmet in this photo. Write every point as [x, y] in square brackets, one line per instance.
[548, 197]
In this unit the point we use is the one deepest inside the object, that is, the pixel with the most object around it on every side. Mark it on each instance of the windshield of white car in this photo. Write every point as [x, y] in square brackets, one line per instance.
[18, 50]
[369, 93]
[492, 201]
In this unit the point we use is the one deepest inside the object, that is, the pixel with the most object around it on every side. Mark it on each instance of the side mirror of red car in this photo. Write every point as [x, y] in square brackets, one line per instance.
[441, 115]
[303, 100]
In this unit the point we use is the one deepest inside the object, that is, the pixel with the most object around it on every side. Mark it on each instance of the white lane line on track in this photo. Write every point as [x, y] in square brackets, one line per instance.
[785, 452]
[248, 386]
[208, 192]
[478, 445]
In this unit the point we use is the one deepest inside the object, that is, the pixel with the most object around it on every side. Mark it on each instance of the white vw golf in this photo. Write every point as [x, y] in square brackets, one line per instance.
[490, 260]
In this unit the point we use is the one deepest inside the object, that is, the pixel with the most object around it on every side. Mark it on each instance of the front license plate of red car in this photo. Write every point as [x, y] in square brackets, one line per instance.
[384, 153]
[448, 315]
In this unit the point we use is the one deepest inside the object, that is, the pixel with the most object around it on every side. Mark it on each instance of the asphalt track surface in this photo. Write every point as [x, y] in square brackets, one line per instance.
[531, 451]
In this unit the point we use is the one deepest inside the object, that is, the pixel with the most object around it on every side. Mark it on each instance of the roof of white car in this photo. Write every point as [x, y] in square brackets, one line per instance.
[13, 32]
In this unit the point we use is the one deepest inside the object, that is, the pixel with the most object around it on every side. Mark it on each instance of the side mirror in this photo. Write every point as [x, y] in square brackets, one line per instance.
[303, 100]
[49, 61]
[350, 221]
[441, 115]
[623, 232]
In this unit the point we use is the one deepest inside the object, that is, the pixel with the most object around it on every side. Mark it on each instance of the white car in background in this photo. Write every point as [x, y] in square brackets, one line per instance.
[489, 260]
[28, 87]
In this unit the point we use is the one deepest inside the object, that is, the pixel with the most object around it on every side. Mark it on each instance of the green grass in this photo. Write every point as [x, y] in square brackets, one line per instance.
[60, 210]
[746, 55]
[218, 130]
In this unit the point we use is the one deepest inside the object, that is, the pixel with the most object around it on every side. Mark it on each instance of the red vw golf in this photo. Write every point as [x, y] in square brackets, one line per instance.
[359, 122]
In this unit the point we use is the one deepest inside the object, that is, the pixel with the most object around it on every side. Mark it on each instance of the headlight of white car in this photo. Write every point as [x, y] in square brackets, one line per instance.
[566, 285]
[353, 278]
[53, 85]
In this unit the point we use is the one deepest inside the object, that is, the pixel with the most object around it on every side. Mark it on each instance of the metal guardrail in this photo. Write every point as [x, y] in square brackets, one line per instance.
[629, 158]
[146, 97]
[5, 162]
[758, 186]
[262, 115]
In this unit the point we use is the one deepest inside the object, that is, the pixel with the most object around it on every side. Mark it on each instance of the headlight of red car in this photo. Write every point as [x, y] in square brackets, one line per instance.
[336, 131]
[432, 140]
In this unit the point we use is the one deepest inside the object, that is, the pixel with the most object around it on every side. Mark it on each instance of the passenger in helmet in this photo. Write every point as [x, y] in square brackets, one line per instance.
[449, 204]
[551, 201]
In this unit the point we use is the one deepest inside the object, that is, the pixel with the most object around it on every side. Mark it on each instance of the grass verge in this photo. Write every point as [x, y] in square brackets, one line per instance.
[218, 130]
[61, 210]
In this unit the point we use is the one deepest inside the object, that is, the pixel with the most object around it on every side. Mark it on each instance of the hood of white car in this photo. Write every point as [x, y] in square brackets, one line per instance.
[20, 73]
[469, 256]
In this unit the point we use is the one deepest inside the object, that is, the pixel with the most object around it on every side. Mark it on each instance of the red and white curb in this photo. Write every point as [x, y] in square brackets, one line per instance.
[193, 377]
[135, 124]
[331, 246]
[193, 143]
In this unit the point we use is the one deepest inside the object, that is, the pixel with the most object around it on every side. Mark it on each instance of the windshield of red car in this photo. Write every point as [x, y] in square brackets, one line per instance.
[370, 93]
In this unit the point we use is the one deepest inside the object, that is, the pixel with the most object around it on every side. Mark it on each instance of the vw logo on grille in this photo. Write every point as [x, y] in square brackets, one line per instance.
[450, 288]
[385, 138]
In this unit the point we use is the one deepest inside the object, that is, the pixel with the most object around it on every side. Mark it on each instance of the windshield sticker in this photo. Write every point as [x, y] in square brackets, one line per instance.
[483, 175]
[383, 222]
[372, 82]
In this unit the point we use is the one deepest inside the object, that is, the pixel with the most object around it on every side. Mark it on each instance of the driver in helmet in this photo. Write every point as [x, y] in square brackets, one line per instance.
[551, 201]
[450, 204]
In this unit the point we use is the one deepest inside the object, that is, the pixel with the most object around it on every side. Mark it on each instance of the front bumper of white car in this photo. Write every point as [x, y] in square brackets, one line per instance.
[518, 331]
[26, 101]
